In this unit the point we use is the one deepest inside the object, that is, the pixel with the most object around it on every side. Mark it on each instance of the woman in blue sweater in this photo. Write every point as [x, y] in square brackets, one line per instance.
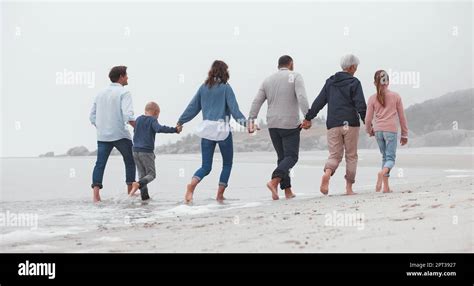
[216, 99]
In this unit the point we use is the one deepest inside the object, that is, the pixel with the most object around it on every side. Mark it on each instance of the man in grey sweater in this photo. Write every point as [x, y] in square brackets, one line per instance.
[286, 96]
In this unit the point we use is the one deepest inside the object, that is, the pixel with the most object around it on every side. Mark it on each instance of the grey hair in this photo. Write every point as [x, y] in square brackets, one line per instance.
[349, 60]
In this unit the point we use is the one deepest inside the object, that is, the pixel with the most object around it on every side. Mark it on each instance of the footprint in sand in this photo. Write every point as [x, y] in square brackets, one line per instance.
[293, 241]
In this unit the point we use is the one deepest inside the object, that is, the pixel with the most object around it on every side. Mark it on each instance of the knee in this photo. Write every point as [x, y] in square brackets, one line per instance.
[100, 163]
[206, 169]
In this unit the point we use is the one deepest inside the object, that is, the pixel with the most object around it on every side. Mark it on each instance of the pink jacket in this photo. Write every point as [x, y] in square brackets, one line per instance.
[386, 117]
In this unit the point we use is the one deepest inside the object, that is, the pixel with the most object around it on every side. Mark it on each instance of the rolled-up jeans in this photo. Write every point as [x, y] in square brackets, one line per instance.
[207, 152]
[103, 152]
[387, 142]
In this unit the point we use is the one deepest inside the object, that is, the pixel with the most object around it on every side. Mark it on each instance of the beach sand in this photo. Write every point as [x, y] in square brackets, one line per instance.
[431, 217]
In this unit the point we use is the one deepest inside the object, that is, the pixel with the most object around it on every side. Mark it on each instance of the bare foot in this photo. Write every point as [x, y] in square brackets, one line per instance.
[96, 195]
[274, 189]
[289, 194]
[220, 194]
[349, 191]
[135, 187]
[325, 183]
[386, 186]
[378, 186]
[188, 197]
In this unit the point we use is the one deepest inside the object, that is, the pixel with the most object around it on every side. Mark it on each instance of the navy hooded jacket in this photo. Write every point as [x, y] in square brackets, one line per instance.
[345, 99]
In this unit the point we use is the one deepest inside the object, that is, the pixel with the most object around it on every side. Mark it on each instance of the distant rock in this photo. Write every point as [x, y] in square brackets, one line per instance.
[78, 151]
[454, 110]
[47, 154]
[444, 138]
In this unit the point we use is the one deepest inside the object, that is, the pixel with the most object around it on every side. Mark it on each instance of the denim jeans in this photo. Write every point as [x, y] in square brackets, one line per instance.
[287, 145]
[103, 152]
[207, 152]
[387, 142]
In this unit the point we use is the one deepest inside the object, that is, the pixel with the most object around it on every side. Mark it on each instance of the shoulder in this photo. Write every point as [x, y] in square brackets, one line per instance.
[372, 98]
[124, 93]
[226, 87]
[356, 81]
[296, 76]
[394, 95]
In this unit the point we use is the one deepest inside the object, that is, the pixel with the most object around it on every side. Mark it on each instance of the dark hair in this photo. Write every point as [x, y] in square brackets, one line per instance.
[284, 61]
[217, 74]
[116, 72]
[380, 79]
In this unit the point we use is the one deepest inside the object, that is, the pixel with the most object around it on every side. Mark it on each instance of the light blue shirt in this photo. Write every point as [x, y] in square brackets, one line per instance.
[110, 113]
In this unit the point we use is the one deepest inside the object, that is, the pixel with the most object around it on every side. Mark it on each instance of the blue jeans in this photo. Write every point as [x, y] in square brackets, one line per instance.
[387, 142]
[103, 152]
[207, 151]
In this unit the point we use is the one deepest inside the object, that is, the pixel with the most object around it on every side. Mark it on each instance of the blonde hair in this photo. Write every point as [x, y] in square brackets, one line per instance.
[381, 80]
[152, 107]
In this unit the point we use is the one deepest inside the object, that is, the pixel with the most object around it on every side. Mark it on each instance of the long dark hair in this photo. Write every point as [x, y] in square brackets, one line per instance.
[217, 74]
[380, 79]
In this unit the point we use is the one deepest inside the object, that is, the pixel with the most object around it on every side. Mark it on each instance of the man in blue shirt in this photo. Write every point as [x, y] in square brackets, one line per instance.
[110, 113]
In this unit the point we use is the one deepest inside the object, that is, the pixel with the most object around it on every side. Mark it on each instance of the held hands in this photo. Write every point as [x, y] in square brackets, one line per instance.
[252, 127]
[403, 141]
[179, 128]
[371, 133]
[306, 124]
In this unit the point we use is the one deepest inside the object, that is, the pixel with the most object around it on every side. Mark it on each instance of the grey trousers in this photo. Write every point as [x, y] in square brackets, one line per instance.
[145, 163]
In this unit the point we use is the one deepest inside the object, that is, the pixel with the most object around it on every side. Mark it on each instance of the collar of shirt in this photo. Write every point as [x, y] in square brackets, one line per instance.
[282, 69]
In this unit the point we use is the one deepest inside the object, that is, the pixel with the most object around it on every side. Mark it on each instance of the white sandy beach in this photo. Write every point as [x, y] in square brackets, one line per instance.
[423, 214]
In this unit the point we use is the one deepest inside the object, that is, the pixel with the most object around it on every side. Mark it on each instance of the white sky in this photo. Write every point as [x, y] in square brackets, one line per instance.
[164, 43]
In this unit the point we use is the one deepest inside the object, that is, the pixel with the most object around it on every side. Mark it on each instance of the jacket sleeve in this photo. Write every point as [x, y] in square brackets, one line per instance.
[158, 128]
[93, 113]
[369, 116]
[318, 104]
[193, 108]
[359, 101]
[402, 118]
[127, 107]
[233, 106]
[300, 92]
[257, 102]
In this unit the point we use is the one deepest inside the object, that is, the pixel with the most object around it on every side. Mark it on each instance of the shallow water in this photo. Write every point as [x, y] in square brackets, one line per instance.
[54, 193]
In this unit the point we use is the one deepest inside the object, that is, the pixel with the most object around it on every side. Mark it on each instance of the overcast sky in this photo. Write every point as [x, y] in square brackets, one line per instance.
[56, 56]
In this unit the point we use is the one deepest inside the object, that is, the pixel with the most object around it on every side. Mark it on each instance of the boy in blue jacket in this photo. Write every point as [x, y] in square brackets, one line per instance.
[146, 126]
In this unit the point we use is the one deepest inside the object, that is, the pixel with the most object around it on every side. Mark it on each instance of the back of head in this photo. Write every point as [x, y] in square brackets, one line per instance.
[284, 61]
[152, 108]
[217, 74]
[116, 72]
[349, 60]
